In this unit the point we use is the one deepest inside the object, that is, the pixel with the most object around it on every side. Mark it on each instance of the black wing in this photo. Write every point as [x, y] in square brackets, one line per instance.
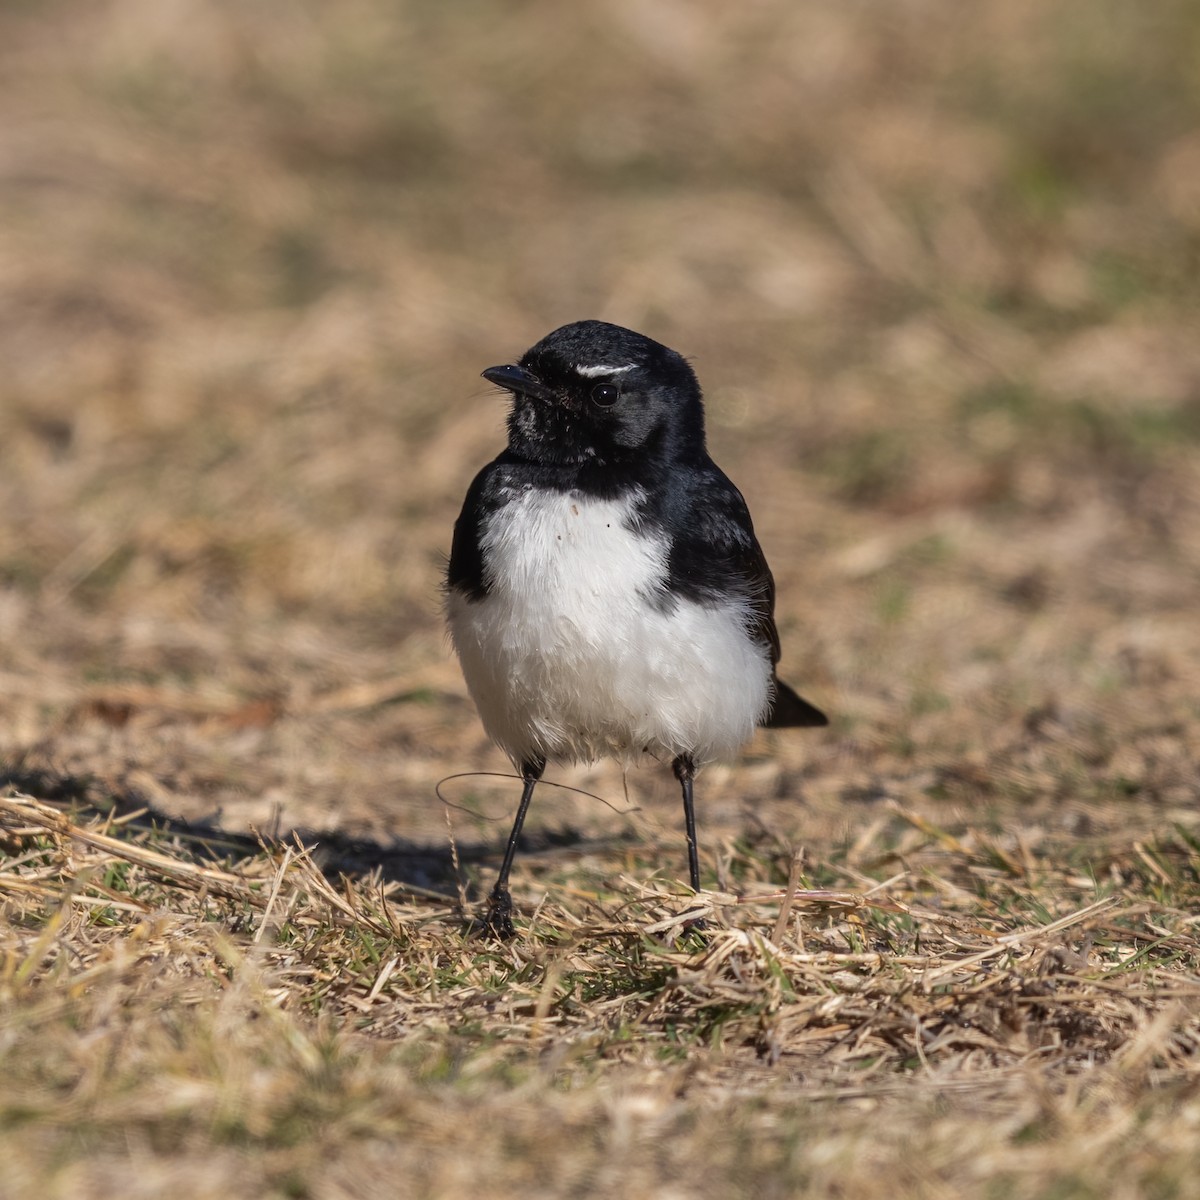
[714, 551]
[464, 572]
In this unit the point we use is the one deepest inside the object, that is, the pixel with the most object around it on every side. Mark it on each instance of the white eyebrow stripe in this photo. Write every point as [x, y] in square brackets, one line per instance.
[592, 372]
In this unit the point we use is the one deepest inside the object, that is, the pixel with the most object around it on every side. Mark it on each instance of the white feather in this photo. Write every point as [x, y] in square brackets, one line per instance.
[569, 657]
[600, 369]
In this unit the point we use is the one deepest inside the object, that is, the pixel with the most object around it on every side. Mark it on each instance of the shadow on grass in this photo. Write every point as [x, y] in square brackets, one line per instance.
[430, 870]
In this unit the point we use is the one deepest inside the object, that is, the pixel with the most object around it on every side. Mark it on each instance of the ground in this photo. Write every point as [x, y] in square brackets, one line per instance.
[937, 269]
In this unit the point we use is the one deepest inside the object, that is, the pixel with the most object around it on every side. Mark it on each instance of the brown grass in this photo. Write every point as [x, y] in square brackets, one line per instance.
[253, 1026]
[936, 266]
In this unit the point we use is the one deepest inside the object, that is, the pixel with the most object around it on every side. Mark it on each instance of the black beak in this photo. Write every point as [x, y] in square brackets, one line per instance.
[517, 379]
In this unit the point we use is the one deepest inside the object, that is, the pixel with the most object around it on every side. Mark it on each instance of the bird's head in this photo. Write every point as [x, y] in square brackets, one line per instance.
[591, 392]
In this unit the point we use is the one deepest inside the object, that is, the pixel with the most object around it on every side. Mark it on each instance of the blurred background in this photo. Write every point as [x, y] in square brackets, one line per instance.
[937, 266]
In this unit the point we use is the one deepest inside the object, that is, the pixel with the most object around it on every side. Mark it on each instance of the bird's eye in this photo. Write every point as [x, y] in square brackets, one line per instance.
[606, 394]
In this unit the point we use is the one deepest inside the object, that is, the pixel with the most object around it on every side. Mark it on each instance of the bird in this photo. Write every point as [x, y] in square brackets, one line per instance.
[605, 592]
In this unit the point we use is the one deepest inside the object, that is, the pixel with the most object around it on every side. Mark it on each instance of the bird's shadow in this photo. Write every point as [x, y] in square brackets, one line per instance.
[431, 870]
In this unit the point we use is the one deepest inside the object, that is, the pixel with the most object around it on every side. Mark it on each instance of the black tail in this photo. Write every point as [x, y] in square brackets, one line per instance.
[789, 711]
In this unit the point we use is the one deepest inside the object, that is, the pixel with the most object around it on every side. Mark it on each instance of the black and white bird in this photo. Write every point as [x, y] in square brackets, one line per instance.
[606, 594]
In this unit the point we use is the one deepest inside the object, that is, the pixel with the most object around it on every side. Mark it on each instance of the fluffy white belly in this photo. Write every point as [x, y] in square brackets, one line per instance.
[576, 653]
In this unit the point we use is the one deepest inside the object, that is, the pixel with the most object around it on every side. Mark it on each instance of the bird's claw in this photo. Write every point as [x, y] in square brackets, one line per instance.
[497, 920]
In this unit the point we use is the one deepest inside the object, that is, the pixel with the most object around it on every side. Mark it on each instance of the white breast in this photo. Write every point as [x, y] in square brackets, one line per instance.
[570, 657]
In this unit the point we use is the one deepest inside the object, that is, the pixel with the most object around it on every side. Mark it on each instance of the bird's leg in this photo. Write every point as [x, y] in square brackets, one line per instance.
[685, 772]
[498, 918]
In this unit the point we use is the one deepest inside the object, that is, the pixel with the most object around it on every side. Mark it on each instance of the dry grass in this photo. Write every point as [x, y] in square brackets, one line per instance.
[937, 267]
[251, 1026]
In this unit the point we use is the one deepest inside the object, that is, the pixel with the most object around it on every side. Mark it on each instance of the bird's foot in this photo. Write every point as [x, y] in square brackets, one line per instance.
[497, 920]
[695, 934]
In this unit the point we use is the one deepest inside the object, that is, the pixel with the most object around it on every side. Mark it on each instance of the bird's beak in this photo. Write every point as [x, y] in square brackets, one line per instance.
[517, 379]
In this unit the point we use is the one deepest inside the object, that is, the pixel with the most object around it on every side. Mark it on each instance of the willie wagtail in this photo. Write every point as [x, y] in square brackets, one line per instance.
[606, 594]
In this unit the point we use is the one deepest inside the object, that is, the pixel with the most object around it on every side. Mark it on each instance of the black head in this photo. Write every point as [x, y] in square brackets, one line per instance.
[594, 392]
